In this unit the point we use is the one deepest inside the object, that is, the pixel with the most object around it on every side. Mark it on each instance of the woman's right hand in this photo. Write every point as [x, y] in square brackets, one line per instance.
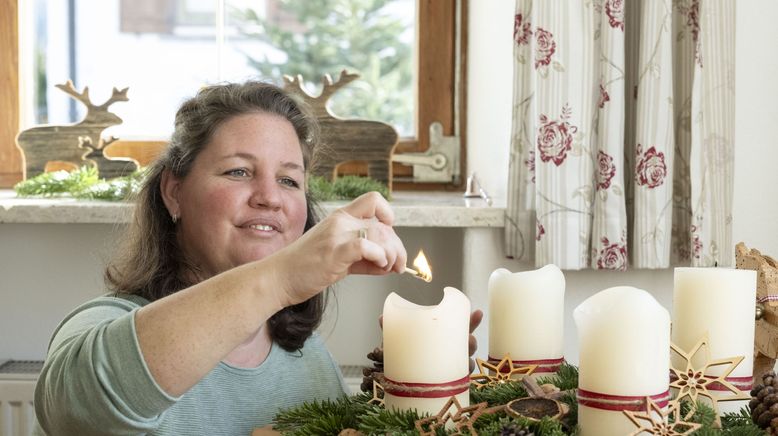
[334, 248]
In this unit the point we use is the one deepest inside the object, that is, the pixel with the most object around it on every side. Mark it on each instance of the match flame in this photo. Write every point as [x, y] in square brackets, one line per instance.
[422, 266]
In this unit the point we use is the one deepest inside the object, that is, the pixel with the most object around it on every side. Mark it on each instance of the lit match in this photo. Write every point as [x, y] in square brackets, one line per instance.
[422, 271]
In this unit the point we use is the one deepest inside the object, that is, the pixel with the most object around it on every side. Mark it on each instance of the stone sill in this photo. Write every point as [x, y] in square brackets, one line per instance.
[412, 209]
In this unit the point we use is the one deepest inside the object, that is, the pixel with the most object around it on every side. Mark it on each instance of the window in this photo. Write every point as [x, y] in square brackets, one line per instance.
[143, 28]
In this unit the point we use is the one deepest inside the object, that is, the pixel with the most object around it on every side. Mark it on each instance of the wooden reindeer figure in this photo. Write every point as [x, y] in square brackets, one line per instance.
[347, 139]
[42, 144]
[766, 333]
[106, 167]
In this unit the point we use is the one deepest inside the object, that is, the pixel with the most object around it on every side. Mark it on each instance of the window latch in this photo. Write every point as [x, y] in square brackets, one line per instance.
[439, 164]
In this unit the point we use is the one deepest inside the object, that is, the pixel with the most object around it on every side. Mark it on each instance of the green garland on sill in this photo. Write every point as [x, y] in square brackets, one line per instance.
[331, 417]
[84, 183]
[344, 187]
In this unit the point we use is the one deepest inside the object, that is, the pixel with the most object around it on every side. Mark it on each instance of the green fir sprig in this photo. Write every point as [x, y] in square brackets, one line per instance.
[395, 422]
[344, 187]
[117, 189]
[57, 183]
[566, 377]
[323, 417]
[82, 183]
[498, 422]
[732, 424]
[499, 394]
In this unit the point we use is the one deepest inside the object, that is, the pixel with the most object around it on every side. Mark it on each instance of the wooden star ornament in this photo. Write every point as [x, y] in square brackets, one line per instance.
[693, 381]
[378, 394]
[493, 375]
[657, 421]
[462, 418]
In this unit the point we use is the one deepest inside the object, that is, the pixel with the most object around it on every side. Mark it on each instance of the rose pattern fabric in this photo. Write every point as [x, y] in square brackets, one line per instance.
[606, 170]
[650, 170]
[604, 97]
[545, 47]
[540, 230]
[522, 32]
[615, 11]
[693, 21]
[612, 256]
[692, 14]
[530, 163]
[696, 243]
[555, 137]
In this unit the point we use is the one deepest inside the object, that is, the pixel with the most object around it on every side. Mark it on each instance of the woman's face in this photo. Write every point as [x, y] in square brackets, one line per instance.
[244, 198]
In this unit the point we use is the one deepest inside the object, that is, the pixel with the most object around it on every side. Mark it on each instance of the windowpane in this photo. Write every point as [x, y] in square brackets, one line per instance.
[164, 50]
[374, 38]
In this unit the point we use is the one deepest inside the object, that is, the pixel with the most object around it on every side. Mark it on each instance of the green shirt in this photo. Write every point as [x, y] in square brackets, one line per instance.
[95, 381]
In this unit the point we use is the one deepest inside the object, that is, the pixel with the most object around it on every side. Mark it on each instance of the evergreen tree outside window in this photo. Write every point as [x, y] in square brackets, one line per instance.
[374, 38]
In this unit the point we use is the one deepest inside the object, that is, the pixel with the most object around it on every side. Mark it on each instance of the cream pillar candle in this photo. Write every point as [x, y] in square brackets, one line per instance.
[426, 356]
[526, 317]
[624, 338]
[719, 302]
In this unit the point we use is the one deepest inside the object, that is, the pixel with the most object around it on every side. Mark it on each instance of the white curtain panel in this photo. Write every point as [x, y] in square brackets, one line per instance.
[623, 133]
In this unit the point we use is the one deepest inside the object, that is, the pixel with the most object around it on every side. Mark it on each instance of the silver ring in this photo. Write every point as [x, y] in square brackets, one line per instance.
[363, 233]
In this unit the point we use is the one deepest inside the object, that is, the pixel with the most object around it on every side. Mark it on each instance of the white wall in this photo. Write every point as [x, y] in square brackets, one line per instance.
[46, 270]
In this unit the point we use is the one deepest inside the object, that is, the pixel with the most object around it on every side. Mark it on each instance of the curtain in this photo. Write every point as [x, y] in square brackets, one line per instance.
[623, 133]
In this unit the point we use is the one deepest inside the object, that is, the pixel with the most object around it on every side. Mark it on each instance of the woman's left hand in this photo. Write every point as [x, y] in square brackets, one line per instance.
[475, 320]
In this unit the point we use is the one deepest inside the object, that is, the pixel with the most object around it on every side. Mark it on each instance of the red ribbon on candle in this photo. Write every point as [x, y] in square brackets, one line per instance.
[745, 384]
[424, 390]
[544, 365]
[634, 403]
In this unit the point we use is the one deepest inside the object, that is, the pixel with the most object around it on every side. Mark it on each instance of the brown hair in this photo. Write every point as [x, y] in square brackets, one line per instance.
[150, 263]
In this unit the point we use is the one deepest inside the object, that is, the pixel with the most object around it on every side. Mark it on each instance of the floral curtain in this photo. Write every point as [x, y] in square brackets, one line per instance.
[623, 133]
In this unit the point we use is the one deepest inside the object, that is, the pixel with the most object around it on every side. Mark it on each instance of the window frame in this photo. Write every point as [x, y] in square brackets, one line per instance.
[440, 93]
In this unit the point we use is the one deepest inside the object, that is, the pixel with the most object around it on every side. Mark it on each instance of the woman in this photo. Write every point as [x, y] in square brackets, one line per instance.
[216, 293]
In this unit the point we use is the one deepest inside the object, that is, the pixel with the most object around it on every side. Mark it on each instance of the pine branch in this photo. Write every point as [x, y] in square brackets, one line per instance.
[57, 182]
[740, 424]
[394, 422]
[350, 187]
[344, 188]
[82, 183]
[321, 417]
[500, 394]
[741, 418]
[566, 377]
[703, 414]
[117, 189]
[320, 189]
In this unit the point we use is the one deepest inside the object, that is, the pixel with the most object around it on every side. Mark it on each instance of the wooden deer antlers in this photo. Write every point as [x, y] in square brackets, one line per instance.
[71, 143]
[295, 83]
[348, 140]
[83, 96]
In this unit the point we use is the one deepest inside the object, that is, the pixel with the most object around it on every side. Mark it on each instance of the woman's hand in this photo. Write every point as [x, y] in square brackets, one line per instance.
[356, 239]
[475, 320]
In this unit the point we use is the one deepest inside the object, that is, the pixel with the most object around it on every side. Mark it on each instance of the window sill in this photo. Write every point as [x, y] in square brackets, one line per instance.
[411, 209]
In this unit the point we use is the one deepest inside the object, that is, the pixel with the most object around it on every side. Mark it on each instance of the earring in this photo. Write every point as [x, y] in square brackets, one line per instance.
[174, 217]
